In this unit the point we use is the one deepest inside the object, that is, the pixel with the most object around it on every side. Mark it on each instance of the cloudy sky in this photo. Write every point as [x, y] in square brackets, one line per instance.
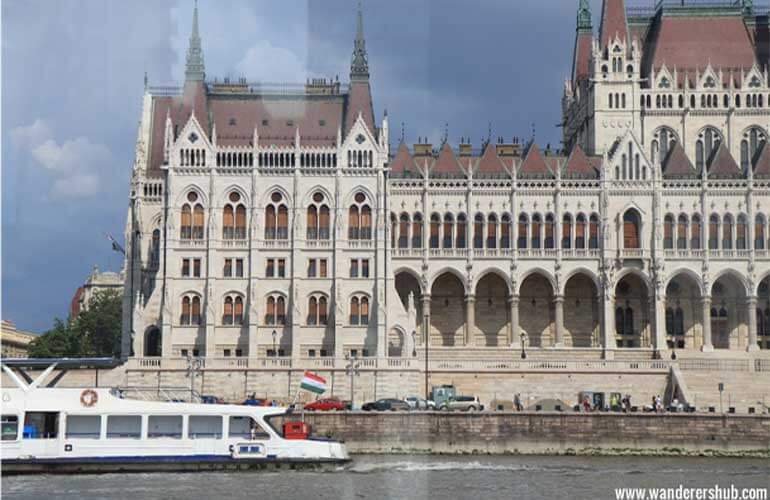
[72, 80]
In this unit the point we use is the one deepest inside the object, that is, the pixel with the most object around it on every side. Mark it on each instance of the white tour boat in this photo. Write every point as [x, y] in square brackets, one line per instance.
[49, 429]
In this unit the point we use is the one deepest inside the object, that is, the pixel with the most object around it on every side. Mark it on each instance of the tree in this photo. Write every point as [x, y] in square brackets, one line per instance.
[95, 332]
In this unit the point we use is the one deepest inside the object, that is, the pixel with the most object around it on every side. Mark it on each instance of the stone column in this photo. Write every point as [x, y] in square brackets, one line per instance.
[707, 346]
[659, 333]
[470, 318]
[608, 322]
[425, 318]
[751, 304]
[558, 303]
[514, 330]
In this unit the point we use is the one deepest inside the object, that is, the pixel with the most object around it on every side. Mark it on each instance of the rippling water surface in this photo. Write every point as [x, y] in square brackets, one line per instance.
[411, 477]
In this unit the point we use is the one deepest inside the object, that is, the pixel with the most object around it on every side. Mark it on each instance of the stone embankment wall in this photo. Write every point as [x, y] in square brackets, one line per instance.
[545, 433]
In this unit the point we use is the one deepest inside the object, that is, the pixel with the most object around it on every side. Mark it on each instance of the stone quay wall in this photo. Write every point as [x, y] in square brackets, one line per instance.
[545, 433]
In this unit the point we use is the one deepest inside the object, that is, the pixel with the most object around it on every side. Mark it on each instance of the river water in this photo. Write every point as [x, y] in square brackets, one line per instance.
[408, 477]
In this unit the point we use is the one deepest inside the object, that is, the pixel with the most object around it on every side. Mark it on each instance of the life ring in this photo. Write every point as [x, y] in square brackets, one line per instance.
[88, 398]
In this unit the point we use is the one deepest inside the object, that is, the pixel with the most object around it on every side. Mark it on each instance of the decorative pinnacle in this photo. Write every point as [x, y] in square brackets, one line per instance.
[359, 66]
[584, 16]
[195, 69]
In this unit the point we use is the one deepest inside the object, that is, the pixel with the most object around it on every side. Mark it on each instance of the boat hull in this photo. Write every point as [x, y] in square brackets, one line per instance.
[103, 465]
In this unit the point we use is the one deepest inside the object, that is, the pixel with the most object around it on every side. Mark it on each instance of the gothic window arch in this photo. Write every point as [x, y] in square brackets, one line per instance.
[403, 230]
[155, 249]
[580, 231]
[275, 310]
[593, 232]
[632, 223]
[521, 239]
[191, 310]
[663, 141]
[232, 313]
[492, 231]
[360, 218]
[417, 230]
[448, 231]
[359, 310]
[505, 231]
[317, 310]
[714, 232]
[478, 231]
[276, 218]
[234, 218]
[727, 232]
[537, 224]
[566, 231]
[191, 226]
[435, 224]
[707, 144]
[695, 232]
[668, 232]
[741, 232]
[681, 232]
[549, 231]
[318, 218]
[759, 232]
[461, 233]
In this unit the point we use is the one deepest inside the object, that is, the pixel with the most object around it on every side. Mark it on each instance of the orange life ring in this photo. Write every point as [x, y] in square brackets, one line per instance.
[88, 398]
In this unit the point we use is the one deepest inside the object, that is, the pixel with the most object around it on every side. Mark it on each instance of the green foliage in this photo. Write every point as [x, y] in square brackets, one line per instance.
[95, 332]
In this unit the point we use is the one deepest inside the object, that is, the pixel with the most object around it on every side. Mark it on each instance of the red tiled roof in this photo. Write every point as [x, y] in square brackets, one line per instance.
[579, 165]
[236, 119]
[613, 21]
[762, 163]
[581, 68]
[403, 162]
[490, 163]
[359, 100]
[677, 164]
[690, 43]
[447, 164]
[534, 164]
[723, 164]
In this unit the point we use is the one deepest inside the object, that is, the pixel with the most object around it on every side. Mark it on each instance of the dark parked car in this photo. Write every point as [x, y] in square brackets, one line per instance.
[386, 405]
[329, 404]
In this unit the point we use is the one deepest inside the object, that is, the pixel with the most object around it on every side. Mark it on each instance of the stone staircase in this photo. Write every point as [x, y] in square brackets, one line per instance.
[742, 389]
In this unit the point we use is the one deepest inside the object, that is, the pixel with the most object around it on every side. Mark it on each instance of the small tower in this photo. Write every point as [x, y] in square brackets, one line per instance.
[195, 70]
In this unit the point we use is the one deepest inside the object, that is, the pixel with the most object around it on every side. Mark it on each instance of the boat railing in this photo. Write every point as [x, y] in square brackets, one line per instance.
[158, 393]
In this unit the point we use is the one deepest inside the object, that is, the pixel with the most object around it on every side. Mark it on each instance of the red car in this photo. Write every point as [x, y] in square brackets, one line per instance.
[325, 405]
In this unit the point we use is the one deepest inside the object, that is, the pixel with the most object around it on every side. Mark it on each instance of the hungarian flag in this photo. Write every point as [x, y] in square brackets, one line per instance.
[313, 383]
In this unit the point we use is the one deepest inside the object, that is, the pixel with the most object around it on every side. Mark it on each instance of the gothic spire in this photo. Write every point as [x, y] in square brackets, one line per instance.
[359, 66]
[584, 16]
[195, 70]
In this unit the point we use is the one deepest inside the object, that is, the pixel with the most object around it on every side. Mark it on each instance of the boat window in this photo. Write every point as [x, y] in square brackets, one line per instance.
[164, 426]
[41, 425]
[124, 427]
[10, 427]
[246, 428]
[205, 427]
[84, 426]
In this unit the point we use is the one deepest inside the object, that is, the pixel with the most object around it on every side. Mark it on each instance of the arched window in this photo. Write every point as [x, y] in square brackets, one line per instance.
[360, 222]
[448, 230]
[491, 231]
[393, 230]
[593, 232]
[695, 232]
[233, 310]
[318, 218]
[664, 141]
[727, 232]
[354, 224]
[417, 231]
[403, 230]
[714, 232]
[681, 232]
[276, 310]
[185, 227]
[191, 310]
[752, 142]
[234, 218]
[631, 227]
[505, 231]
[566, 231]
[549, 243]
[435, 223]
[197, 230]
[759, 232]
[192, 218]
[317, 311]
[359, 310]
[741, 233]
[276, 218]
[462, 231]
[521, 239]
[537, 224]
[155, 249]
[270, 311]
[668, 232]
[580, 231]
[478, 231]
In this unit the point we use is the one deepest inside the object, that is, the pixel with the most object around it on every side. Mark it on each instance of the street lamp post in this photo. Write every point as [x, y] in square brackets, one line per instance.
[427, 343]
[352, 370]
[193, 367]
[275, 334]
[523, 340]
[414, 343]
[673, 349]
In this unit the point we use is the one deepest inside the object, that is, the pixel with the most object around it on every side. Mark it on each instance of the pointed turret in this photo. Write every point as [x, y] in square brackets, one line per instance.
[614, 22]
[583, 39]
[360, 98]
[194, 69]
